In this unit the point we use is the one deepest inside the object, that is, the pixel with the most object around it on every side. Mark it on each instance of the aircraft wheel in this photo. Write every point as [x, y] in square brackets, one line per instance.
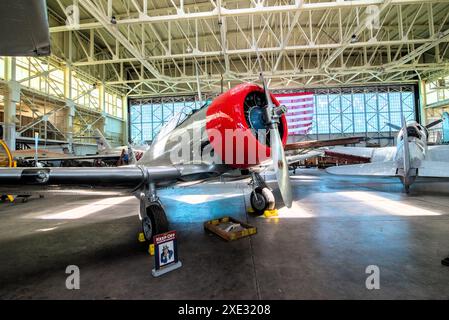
[154, 221]
[263, 201]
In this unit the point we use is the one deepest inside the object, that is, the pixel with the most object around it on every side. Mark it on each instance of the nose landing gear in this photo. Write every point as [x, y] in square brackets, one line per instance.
[262, 198]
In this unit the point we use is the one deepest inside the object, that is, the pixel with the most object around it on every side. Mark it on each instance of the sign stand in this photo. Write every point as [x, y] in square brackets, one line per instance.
[165, 253]
[160, 272]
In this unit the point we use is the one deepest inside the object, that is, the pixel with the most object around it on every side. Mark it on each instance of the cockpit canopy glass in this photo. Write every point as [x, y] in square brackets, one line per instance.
[179, 117]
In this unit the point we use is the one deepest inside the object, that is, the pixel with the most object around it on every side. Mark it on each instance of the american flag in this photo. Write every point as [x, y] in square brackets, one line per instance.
[299, 111]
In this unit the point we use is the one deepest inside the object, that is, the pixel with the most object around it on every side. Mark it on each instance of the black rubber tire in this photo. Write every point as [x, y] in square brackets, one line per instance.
[266, 200]
[154, 222]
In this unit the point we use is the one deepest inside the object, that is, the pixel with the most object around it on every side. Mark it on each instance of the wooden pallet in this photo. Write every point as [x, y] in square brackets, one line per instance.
[216, 226]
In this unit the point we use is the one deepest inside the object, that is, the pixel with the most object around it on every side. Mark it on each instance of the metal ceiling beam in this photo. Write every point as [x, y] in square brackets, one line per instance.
[194, 55]
[114, 31]
[356, 33]
[306, 45]
[437, 39]
[302, 74]
[224, 12]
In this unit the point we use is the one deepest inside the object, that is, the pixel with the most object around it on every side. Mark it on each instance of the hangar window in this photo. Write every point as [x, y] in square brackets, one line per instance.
[39, 75]
[109, 103]
[83, 93]
[119, 109]
[437, 91]
[361, 110]
[147, 116]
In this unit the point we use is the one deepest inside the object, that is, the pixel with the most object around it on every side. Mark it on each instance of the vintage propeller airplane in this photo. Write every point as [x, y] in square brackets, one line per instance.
[411, 158]
[246, 110]
[243, 131]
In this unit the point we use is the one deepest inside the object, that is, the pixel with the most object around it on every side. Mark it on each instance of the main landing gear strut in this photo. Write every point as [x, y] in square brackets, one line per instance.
[152, 214]
[262, 198]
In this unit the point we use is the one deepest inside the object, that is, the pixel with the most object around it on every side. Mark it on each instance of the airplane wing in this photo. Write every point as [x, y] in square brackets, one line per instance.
[322, 143]
[130, 178]
[30, 154]
[80, 158]
[24, 28]
[295, 158]
[434, 169]
[438, 153]
[373, 154]
[347, 157]
[354, 151]
[386, 169]
[304, 156]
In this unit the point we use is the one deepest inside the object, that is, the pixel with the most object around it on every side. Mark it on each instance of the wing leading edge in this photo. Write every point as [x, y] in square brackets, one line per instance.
[373, 154]
[386, 169]
[310, 144]
[126, 178]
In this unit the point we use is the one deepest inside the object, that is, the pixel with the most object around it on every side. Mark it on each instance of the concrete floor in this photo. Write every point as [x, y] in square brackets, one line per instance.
[318, 249]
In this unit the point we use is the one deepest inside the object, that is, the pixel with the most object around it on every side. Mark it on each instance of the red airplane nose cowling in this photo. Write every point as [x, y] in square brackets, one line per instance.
[230, 133]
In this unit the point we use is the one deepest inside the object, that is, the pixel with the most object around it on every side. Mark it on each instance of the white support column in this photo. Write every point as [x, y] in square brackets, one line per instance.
[11, 99]
[422, 102]
[125, 120]
[198, 83]
[70, 116]
[68, 94]
[102, 98]
[70, 105]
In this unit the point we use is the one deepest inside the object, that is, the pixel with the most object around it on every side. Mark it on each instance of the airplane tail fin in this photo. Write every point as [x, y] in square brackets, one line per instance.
[102, 143]
[131, 155]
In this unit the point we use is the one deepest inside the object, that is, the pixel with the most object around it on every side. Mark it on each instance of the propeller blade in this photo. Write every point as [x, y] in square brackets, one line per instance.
[280, 163]
[433, 124]
[280, 166]
[393, 126]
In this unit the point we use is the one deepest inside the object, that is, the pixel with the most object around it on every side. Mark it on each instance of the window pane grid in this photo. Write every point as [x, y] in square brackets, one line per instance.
[362, 110]
[148, 116]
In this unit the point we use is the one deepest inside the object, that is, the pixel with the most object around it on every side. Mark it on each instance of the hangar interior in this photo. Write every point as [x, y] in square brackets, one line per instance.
[126, 67]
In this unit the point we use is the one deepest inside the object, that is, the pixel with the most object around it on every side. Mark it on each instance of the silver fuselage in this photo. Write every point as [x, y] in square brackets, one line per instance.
[181, 143]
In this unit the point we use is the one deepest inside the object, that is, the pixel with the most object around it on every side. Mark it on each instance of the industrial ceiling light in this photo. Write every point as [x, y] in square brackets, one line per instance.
[188, 49]
[354, 39]
[113, 20]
